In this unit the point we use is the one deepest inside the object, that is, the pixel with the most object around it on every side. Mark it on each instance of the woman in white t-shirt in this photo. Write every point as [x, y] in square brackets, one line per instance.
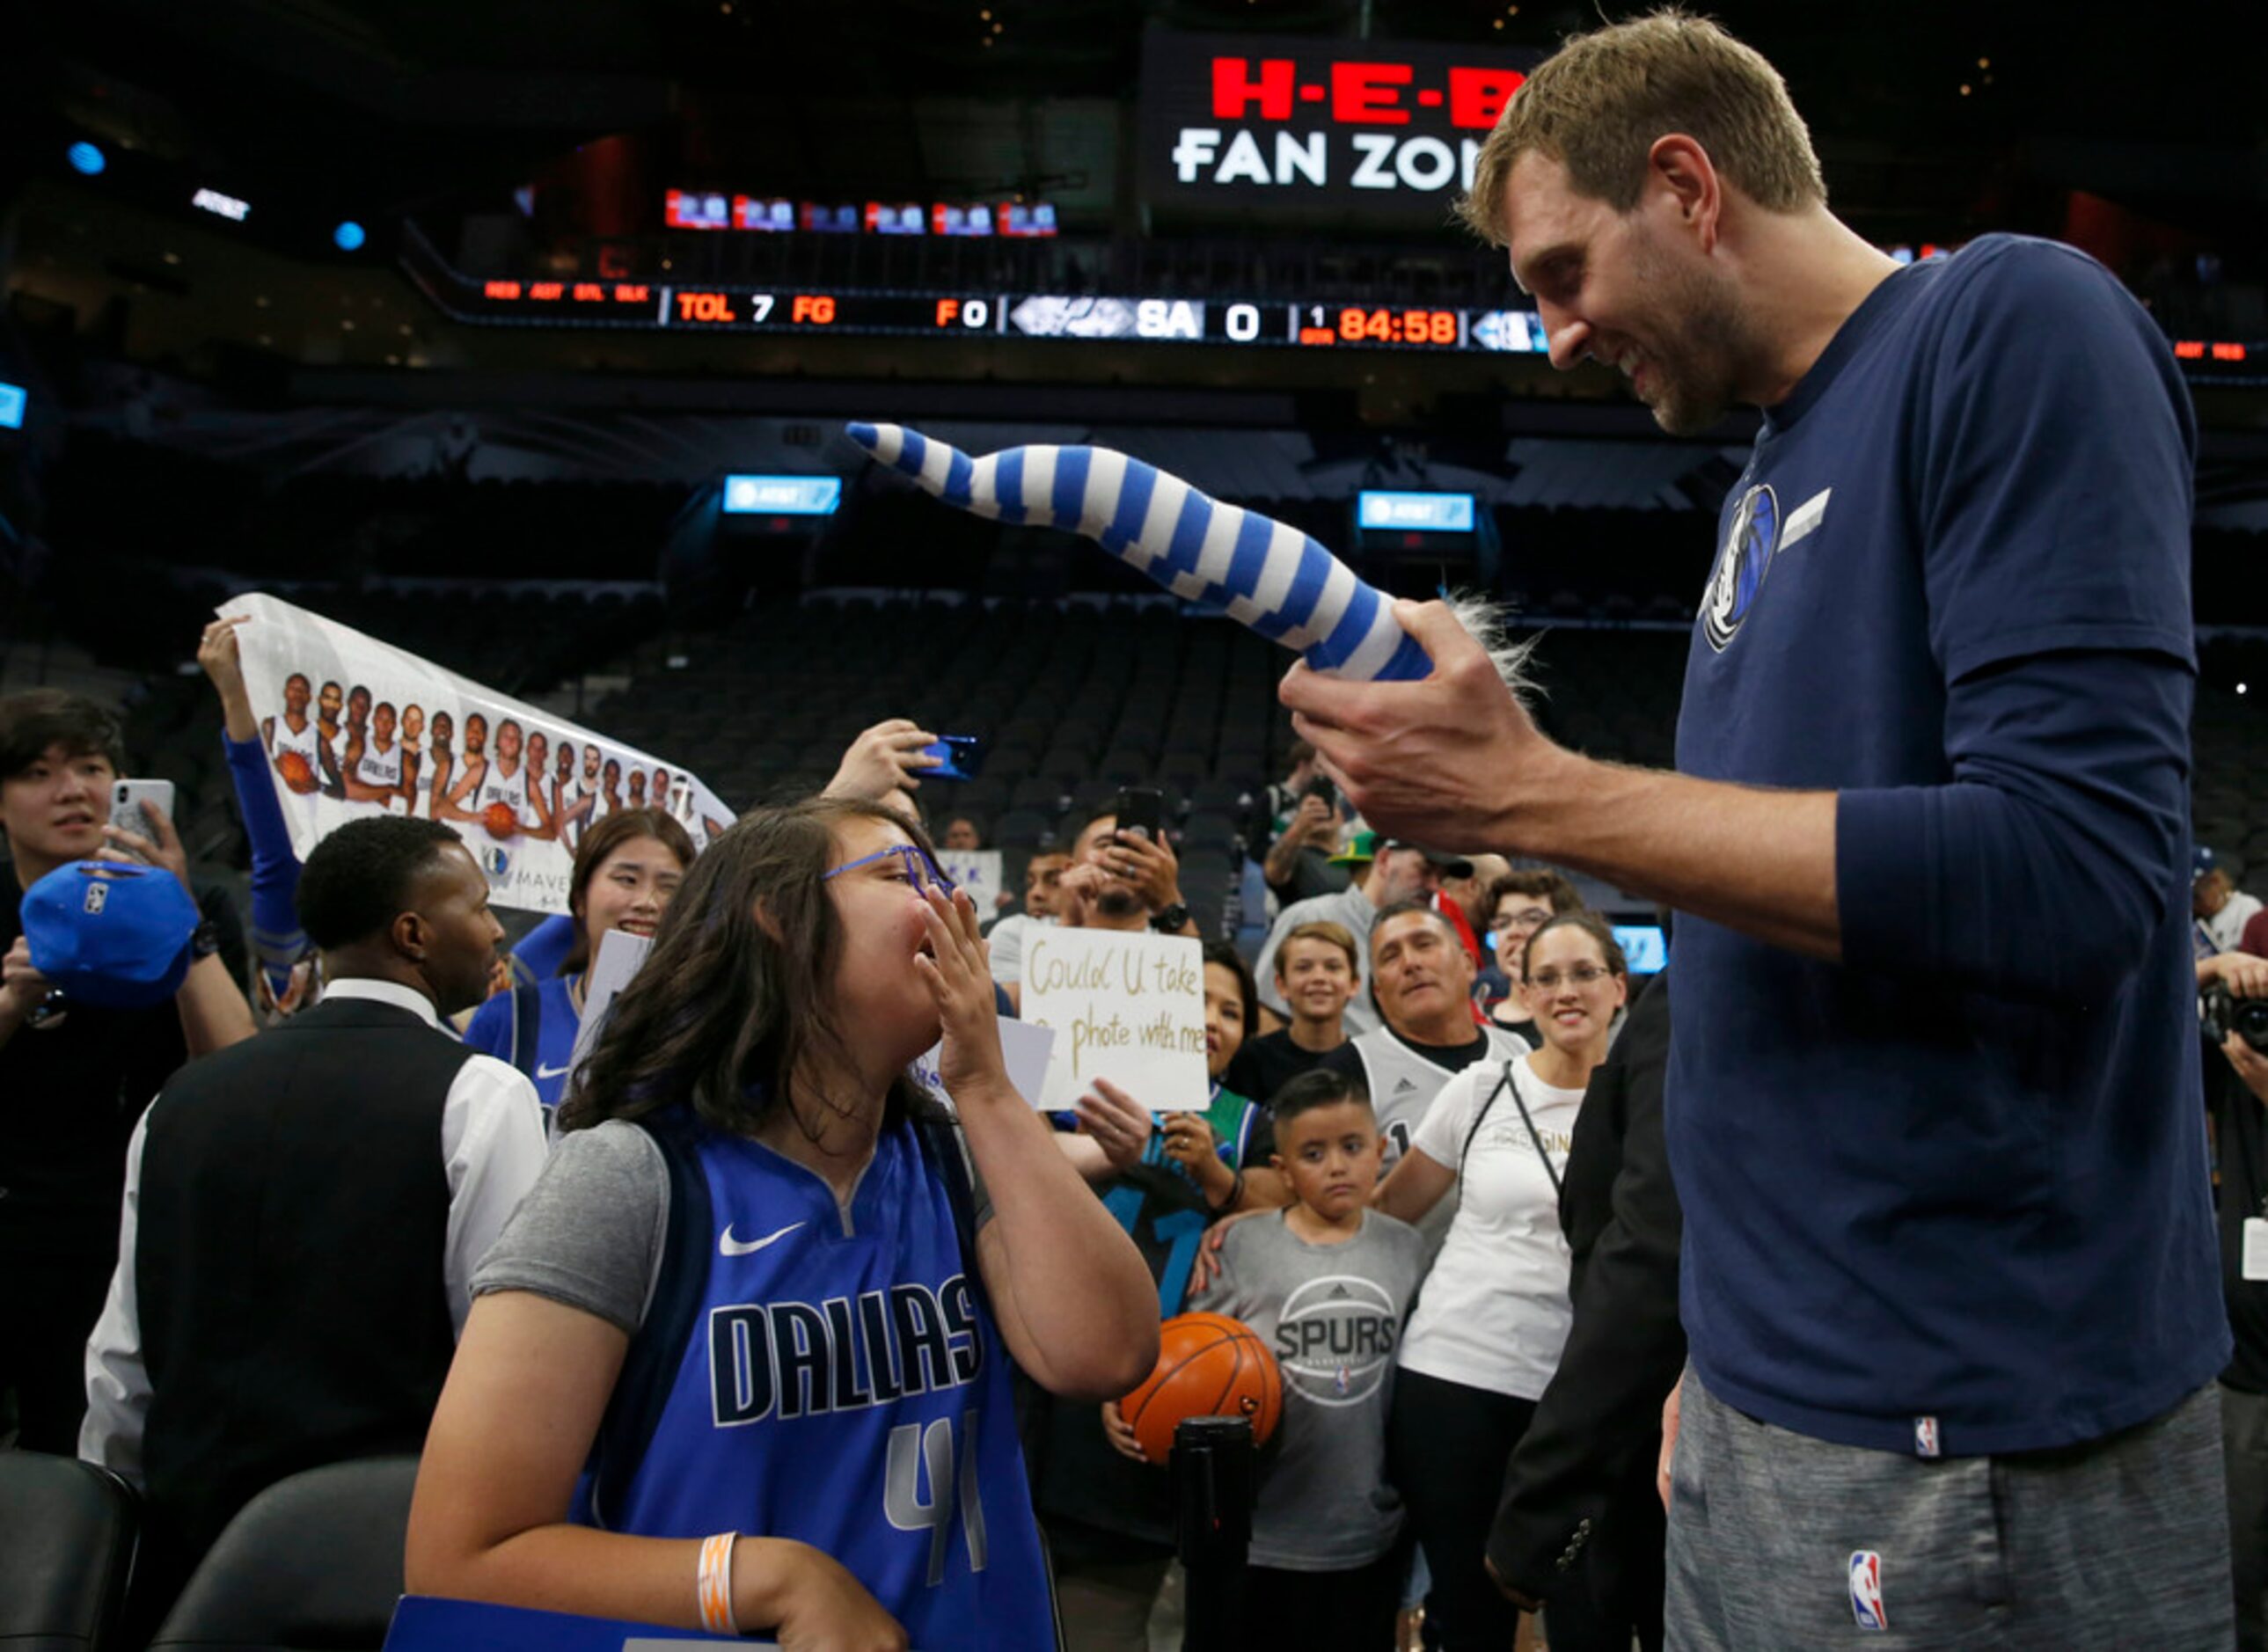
[1492, 1316]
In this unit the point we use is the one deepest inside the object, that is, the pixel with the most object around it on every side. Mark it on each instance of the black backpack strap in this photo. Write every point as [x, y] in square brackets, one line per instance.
[651, 1365]
[941, 1144]
[527, 1025]
[1481, 1118]
[1533, 1133]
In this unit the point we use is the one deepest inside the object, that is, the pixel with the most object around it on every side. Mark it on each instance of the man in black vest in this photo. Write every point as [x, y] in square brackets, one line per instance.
[1580, 1513]
[304, 1210]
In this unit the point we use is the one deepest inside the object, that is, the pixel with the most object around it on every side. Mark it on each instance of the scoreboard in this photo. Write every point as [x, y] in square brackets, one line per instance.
[1289, 325]
[774, 310]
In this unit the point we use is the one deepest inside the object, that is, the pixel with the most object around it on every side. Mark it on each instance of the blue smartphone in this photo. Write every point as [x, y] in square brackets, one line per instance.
[962, 758]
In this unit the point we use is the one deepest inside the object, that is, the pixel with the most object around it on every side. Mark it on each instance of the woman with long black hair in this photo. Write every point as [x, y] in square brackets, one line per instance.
[760, 1294]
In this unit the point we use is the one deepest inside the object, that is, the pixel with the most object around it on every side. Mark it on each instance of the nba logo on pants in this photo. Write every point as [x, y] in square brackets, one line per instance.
[1866, 1589]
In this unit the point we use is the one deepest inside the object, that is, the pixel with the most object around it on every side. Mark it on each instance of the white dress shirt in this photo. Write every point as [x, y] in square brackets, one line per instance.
[492, 1146]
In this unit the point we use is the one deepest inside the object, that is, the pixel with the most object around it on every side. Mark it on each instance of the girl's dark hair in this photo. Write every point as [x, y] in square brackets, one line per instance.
[1229, 959]
[728, 1006]
[1317, 1086]
[624, 825]
[1591, 924]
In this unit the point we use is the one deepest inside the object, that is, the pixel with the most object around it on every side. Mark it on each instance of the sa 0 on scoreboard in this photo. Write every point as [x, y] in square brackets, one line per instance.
[687, 308]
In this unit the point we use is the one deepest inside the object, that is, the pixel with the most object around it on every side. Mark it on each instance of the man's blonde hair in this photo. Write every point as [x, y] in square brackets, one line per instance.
[1597, 104]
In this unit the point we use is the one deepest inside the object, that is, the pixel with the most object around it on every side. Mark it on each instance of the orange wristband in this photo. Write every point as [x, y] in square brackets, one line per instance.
[716, 1584]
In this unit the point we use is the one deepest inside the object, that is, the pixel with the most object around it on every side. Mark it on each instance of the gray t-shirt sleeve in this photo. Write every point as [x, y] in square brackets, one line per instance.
[1005, 948]
[591, 1231]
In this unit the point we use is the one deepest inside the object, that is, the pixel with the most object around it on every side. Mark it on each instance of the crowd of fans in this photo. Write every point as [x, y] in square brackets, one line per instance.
[1398, 1086]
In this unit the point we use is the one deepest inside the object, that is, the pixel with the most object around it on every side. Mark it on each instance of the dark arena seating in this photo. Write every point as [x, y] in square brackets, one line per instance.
[587, 356]
[69, 1530]
[315, 1562]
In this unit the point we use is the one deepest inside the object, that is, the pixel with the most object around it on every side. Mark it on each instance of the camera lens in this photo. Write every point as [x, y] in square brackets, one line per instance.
[2249, 1020]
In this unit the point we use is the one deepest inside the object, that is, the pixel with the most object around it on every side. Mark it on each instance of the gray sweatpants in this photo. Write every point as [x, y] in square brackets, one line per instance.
[2121, 1542]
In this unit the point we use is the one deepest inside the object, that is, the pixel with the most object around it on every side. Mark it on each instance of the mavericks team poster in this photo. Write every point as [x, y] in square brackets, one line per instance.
[354, 727]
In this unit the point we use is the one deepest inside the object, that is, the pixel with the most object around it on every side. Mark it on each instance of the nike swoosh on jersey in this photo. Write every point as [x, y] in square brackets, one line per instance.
[542, 1071]
[727, 1245]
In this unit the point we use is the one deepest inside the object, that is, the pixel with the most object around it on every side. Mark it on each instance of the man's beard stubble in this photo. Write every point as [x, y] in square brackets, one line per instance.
[1693, 390]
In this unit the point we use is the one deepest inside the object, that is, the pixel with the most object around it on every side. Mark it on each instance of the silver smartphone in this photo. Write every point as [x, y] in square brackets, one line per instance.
[128, 797]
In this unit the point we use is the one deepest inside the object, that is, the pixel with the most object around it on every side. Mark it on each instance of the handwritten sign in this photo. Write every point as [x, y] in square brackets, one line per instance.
[1125, 1007]
[978, 872]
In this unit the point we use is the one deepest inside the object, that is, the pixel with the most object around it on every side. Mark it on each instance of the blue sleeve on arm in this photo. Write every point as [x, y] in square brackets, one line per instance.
[2060, 846]
[277, 940]
[2054, 514]
[2055, 465]
[545, 948]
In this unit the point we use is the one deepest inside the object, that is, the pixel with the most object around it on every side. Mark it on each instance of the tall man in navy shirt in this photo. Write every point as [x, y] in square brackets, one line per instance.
[1948, 1272]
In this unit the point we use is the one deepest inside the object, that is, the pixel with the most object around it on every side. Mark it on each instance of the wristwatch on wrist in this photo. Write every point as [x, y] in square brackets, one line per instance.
[204, 941]
[1169, 919]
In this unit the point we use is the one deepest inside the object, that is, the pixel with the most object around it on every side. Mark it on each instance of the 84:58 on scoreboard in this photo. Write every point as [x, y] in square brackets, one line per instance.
[1079, 316]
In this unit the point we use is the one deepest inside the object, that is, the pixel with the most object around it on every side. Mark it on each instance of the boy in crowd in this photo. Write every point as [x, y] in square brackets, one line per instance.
[1397, 873]
[1315, 974]
[1326, 1282]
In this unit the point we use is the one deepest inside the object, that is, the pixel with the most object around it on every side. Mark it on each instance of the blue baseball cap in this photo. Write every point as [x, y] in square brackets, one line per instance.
[111, 934]
[2202, 861]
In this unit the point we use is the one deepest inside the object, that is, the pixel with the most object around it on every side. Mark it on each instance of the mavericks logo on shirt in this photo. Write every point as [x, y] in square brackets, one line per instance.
[1742, 566]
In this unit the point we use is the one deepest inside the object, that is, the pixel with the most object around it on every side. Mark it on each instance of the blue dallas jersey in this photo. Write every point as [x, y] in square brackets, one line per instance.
[490, 1031]
[845, 1386]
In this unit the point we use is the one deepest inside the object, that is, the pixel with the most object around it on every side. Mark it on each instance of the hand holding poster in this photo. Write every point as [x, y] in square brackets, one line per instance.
[620, 954]
[1125, 1007]
[355, 727]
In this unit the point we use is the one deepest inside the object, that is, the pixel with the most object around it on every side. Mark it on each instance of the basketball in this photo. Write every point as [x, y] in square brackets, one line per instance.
[297, 774]
[501, 819]
[1209, 1365]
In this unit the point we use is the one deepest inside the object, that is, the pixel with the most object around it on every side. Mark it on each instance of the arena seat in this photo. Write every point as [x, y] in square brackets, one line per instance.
[67, 1534]
[1181, 769]
[1090, 792]
[1222, 796]
[1209, 829]
[1024, 829]
[1044, 795]
[313, 1564]
[986, 796]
